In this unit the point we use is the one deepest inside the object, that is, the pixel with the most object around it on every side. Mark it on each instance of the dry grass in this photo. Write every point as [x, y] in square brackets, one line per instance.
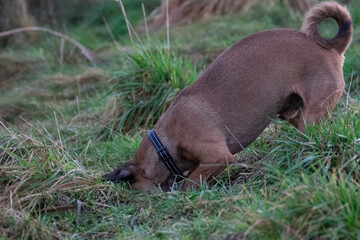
[186, 11]
[12, 67]
[50, 90]
[39, 174]
[71, 86]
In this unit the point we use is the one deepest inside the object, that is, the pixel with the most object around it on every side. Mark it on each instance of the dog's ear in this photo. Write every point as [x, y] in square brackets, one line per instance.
[291, 107]
[124, 173]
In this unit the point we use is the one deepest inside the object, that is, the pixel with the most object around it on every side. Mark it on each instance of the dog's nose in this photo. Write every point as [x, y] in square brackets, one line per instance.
[122, 173]
[113, 176]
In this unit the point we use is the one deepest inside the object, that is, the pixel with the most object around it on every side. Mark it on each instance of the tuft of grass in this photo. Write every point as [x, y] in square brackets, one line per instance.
[145, 91]
[333, 144]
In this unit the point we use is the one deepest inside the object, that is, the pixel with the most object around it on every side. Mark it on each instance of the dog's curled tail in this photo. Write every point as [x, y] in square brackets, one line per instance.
[324, 10]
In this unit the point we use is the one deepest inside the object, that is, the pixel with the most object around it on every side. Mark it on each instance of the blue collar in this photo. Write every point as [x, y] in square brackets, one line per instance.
[164, 154]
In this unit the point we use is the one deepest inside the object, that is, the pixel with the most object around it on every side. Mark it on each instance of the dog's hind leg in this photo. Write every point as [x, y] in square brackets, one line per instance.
[213, 162]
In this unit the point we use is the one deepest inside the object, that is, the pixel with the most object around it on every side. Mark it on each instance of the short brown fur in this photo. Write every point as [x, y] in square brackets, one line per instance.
[294, 75]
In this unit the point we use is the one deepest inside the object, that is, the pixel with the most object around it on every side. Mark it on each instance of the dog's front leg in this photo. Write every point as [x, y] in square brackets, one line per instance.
[213, 163]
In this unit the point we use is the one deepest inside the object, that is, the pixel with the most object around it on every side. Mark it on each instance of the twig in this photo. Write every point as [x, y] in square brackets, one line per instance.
[126, 19]
[58, 130]
[87, 147]
[58, 208]
[134, 217]
[238, 140]
[5, 127]
[78, 211]
[111, 33]
[78, 105]
[88, 54]
[167, 27]
[348, 93]
[132, 31]
[62, 44]
[228, 172]
[145, 21]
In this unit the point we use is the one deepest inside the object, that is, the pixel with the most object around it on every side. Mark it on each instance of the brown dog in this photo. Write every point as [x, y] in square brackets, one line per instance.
[294, 75]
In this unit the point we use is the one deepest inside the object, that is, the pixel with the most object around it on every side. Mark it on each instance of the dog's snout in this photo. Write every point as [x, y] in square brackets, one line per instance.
[120, 174]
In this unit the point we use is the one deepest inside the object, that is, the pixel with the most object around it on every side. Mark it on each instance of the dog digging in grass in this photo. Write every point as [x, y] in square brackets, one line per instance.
[294, 75]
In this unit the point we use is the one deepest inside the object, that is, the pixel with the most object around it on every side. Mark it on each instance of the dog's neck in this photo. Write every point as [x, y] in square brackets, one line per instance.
[164, 155]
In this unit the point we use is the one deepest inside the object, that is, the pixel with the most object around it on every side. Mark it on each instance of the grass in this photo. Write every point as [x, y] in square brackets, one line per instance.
[152, 80]
[286, 185]
[331, 145]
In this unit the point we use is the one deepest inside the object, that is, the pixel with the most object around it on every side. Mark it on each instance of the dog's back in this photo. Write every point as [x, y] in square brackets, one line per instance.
[250, 81]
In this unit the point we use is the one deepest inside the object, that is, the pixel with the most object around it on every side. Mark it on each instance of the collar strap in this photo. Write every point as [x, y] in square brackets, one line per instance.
[164, 154]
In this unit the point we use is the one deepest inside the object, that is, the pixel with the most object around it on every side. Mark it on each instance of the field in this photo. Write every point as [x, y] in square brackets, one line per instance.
[65, 121]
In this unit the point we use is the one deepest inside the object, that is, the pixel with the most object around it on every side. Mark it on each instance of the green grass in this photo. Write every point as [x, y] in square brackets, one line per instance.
[286, 185]
[283, 201]
[331, 145]
[152, 80]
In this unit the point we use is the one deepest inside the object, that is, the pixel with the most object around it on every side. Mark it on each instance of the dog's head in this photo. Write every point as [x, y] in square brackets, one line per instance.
[144, 171]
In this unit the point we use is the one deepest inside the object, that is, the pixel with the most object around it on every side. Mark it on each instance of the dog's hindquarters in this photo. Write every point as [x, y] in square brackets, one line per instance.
[329, 10]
